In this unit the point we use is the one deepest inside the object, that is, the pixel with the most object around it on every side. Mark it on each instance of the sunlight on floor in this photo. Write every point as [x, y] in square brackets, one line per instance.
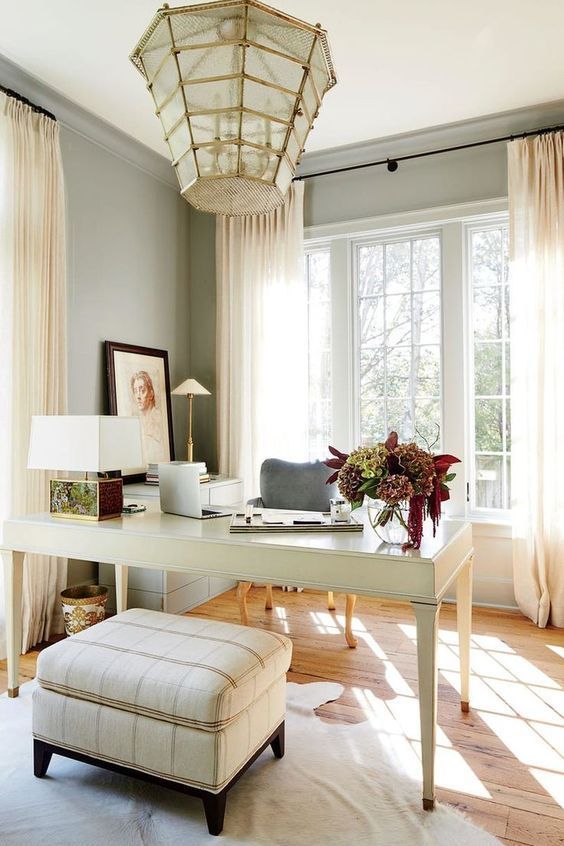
[282, 618]
[396, 722]
[518, 701]
[559, 650]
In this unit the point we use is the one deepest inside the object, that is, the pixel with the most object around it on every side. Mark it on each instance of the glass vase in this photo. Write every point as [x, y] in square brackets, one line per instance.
[389, 521]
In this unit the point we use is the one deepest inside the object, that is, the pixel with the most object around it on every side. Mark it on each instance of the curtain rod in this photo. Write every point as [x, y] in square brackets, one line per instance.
[393, 162]
[39, 109]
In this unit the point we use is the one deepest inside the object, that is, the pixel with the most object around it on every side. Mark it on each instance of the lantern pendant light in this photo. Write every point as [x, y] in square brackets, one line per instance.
[237, 86]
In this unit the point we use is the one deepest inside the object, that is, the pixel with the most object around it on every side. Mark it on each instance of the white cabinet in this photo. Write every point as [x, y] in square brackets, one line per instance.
[172, 592]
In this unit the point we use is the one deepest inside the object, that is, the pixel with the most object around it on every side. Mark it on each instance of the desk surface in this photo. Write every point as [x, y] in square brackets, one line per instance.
[349, 562]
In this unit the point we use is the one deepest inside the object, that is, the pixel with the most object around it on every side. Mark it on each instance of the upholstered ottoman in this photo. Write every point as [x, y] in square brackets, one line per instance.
[181, 701]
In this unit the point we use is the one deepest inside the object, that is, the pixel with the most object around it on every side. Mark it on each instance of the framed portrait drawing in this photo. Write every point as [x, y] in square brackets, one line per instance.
[139, 385]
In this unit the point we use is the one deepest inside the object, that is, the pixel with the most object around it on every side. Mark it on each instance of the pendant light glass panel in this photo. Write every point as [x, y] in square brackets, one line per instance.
[237, 86]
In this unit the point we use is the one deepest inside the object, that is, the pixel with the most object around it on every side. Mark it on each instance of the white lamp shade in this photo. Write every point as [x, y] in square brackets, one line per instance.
[190, 386]
[85, 443]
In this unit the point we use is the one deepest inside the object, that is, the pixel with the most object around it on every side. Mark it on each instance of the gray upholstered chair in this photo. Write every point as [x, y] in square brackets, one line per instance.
[287, 484]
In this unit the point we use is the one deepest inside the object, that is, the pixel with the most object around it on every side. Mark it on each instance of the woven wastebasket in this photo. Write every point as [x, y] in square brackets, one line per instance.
[83, 606]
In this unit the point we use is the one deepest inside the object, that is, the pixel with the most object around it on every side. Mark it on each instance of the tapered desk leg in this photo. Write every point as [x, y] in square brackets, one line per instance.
[352, 641]
[464, 621]
[330, 601]
[13, 581]
[242, 590]
[427, 617]
[269, 600]
[121, 587]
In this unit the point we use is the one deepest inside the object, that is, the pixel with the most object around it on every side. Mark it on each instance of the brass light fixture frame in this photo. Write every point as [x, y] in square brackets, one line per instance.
[237, 191]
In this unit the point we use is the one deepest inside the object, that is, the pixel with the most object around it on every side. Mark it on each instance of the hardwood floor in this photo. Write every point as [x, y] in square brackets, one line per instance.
[503, 761]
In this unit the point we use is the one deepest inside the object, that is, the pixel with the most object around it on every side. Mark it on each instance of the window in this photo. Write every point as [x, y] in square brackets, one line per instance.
[409, 330]
[318, 279]
[490, 380]
[398, 284]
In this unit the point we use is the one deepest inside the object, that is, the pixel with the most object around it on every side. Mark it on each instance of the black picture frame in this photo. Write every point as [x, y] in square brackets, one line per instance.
[137, 375]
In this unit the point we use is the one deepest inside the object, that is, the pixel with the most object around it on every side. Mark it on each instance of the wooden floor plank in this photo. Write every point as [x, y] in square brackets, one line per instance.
[520, 812]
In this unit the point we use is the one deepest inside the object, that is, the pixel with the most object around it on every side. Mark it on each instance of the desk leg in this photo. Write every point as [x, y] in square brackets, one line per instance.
[13, 581]
[242, 590]
[352, 641]
[121, 587]
[464, 622]
[427, 617]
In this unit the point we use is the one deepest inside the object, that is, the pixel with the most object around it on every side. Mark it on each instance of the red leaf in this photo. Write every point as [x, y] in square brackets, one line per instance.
[332, 478]
[334, 463]
[444, 461]
[342, 455]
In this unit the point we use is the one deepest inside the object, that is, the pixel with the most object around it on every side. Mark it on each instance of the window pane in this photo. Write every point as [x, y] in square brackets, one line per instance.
[488, 313]
[371, 270]
[372, 421]
[398, 371]
[428, 416]
[400, 418]
[398, 261]
[426, 264]
[488, 415]
[318, 281]
[489, 481]
[371, 315]
[427, 318]
[427, 371]
[488, 373]
[399, 339]
[318, 288]
[372, 372]
[487, 261]
[398, 320]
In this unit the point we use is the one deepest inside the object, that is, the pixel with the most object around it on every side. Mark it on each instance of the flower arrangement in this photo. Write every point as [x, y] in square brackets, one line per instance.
[405, 477]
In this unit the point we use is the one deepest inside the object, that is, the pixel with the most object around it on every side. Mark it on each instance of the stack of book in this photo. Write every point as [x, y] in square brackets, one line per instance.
[204, 475]
[152, 477]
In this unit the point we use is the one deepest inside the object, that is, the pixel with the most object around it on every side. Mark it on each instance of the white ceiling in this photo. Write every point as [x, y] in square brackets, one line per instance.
[401, 66]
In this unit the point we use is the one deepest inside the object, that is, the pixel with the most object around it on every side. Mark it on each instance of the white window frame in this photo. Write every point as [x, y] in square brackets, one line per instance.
[310, 248]
[452, 224]
[475, 511]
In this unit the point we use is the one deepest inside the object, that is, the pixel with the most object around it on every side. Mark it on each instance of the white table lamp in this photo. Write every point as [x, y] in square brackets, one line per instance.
[190, 388]
[86, 444]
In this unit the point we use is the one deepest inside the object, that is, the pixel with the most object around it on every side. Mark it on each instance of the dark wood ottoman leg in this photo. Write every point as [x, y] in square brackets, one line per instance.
[278, 742]
[214, 807]
[41, 758]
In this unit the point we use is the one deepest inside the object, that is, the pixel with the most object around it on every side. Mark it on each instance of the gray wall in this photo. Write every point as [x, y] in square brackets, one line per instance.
[202, 333]
[459, 177]
[128, 270]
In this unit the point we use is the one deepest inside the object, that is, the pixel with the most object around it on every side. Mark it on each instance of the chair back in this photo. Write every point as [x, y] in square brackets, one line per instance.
[287, 484]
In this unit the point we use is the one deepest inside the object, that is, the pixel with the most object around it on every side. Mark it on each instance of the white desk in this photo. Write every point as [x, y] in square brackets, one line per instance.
[350, 563]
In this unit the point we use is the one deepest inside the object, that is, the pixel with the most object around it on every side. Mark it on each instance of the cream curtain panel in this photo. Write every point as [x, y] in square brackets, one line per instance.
[32, 332]
[262, 350]
[536, 206]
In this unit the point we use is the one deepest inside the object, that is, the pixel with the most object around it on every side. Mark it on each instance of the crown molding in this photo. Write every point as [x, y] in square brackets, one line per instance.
[435, 138]
[86, 124]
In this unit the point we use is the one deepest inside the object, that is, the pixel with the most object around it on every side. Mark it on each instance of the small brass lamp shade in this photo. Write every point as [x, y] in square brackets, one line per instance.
[237, 86]
[190, 388]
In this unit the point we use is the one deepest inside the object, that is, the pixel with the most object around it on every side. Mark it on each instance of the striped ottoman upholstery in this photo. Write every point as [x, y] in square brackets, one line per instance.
[184, 700]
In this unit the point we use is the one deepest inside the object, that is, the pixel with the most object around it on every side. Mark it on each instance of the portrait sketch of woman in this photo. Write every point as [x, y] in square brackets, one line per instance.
[139, 386]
